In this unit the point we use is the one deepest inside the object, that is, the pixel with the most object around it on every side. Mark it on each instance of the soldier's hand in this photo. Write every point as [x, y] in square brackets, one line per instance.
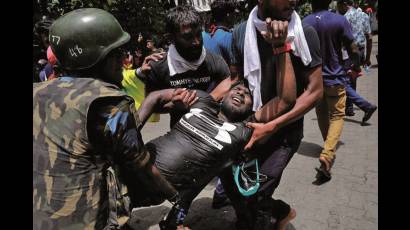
[145, 68]
[277, 32]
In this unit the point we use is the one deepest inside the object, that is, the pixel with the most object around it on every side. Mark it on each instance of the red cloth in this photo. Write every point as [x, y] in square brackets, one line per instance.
[369, 10]
[212, 29]
[51, 57]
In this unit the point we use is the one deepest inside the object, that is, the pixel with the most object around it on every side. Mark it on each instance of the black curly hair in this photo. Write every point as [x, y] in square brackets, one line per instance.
[220, 9]
[182, 16]
[240, 82]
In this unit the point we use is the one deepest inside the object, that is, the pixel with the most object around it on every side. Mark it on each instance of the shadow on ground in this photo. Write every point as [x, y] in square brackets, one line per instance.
[290, 227]
[352, 121]
[358, 122]
[309, 149]
[201, 216]
[312, 149]
[144, 218]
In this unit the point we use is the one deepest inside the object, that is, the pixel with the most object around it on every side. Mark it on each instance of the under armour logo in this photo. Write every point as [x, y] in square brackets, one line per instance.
[223, 131]
[318, 17]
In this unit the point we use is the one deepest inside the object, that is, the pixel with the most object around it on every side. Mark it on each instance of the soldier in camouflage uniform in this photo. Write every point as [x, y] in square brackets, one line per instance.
[88, 155]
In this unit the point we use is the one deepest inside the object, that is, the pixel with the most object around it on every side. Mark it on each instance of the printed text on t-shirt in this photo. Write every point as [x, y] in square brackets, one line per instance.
[185, 81]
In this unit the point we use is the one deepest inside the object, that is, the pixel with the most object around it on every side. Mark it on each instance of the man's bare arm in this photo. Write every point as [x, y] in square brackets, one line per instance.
[304, 103]
[151, 102]
[286, 88]
[222, 88]
[160, 98]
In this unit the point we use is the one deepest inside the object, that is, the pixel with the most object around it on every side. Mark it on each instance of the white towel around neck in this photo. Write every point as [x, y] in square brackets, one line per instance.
[178, 64]
[252, 65]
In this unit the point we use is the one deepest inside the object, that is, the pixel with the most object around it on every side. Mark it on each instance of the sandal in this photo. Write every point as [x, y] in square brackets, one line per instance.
[325, 166]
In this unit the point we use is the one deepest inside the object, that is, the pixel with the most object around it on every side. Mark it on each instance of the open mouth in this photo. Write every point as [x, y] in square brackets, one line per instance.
[237, 100]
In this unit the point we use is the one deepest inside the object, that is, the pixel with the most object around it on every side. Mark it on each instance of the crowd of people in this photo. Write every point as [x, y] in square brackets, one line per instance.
[236, 95]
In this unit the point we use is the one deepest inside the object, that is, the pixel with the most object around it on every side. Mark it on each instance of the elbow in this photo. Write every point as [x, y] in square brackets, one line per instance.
[289, 100]
[288, 103]
[317, 96]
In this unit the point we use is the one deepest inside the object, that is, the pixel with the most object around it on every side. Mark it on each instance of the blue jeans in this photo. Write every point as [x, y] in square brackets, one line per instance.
[353, 97]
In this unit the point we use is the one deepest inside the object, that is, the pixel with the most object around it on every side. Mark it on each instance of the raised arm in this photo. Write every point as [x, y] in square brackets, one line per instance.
[312, 75]
[286, 88]
[222, 88]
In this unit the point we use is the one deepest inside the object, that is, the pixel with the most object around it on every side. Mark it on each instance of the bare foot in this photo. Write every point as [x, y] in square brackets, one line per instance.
[324, 161]
[287, 219]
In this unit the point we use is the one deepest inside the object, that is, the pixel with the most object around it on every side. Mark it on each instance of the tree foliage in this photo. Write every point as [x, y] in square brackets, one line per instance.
[135, 16]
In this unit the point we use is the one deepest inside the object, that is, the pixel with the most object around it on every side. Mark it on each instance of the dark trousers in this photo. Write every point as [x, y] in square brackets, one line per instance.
[273, 156]
[353, 97]
[350, 85]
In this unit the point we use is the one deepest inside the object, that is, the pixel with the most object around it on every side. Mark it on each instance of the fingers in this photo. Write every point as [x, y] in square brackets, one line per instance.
[268, 25]
[146, 67]
[251, 125]
[178, 91]
[192, 98]
[250, 144]
[147, 59]
[186, 97]
[193, 101]
[281, 31]
[154, 57]
[266, 35]
[158, 56]
[179, 94]
[276, 32]
[275, 28]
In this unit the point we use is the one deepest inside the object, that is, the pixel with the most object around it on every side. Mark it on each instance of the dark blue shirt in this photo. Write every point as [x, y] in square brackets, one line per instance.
[334, 31]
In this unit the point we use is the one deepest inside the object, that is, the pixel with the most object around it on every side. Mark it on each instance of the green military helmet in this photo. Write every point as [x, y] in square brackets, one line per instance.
[83, 37]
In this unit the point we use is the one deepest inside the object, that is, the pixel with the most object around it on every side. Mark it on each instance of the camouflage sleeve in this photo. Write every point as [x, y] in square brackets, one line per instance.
[116, 132]
[113, 129]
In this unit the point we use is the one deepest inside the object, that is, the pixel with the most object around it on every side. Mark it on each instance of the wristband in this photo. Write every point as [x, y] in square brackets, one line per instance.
[283, 49]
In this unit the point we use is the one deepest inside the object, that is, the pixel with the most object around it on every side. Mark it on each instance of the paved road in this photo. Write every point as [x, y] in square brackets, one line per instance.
[348, 202]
